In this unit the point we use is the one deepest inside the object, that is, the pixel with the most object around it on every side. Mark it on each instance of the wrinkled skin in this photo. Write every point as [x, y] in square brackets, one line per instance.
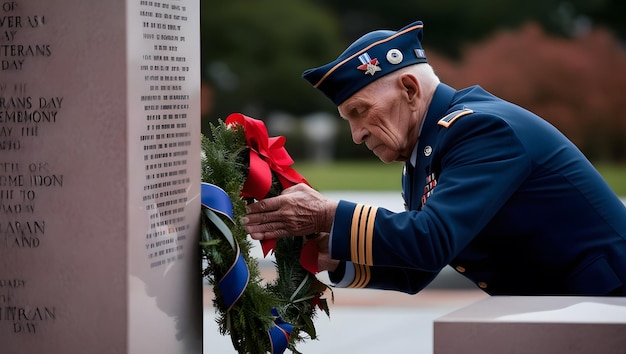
[385, 116]
[298, 211]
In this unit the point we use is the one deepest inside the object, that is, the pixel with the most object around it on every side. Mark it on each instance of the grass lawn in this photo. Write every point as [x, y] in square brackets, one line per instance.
[377, 176]
[366, 176]
[615, 175]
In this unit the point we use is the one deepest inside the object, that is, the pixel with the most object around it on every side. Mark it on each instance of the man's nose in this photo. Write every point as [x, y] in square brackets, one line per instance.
[358, 133]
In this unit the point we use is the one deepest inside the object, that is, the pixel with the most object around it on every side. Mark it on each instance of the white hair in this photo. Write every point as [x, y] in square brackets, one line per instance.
[424, 73]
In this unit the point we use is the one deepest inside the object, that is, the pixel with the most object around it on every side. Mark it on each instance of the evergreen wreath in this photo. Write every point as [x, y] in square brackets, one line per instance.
[292, 298]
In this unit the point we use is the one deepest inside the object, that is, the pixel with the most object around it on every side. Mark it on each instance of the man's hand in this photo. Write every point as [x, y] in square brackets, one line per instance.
[298, 211]
[324, 262]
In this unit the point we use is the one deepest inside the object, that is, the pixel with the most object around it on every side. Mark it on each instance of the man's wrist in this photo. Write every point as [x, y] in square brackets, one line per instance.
[329, 216]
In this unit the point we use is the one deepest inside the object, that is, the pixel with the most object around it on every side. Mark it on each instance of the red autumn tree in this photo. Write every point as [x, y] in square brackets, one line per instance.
[577, 84]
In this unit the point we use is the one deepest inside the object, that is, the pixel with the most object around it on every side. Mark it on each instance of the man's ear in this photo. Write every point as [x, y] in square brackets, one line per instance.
[410, 86]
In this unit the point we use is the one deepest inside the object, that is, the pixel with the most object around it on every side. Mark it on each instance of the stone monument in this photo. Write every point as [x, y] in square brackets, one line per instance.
[534, 324]
[99, 177]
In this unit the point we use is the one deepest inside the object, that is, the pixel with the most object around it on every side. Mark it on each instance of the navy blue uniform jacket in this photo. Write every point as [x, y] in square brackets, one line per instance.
[501, 196]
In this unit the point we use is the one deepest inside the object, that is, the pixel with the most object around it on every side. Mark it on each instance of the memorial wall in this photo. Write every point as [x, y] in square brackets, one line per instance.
[99, 176]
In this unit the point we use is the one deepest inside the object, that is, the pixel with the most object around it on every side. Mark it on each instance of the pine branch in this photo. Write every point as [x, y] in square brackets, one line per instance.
[225, 160]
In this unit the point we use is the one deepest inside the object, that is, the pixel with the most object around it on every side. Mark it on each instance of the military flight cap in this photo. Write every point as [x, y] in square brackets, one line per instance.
[369, 58]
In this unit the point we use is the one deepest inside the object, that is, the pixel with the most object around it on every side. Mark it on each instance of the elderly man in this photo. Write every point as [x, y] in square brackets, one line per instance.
[490, 188]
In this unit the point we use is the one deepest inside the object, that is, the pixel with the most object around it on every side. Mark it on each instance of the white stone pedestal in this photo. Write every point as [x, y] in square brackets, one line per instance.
[501, 324]
[99, 177]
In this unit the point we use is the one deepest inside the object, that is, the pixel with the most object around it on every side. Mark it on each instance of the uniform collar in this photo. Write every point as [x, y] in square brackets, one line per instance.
[438, 107]
[413, 159]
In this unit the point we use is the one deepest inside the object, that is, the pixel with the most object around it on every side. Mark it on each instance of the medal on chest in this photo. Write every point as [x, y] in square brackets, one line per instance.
[429, 188]
[431, 178]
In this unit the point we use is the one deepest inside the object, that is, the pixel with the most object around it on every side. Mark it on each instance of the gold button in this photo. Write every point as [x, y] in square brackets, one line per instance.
[460, 269]
[482, 284]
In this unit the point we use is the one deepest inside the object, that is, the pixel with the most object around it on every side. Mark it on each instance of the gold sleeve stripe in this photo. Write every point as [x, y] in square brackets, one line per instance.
[354, 232]
[369, 236]
[360, 246]
[362, 234]
[362, 276]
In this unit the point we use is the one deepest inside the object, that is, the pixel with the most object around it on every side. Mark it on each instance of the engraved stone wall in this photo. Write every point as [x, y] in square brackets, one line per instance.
[99, 176]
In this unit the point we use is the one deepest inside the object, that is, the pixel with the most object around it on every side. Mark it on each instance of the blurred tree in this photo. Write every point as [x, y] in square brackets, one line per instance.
[451, 23]
[253, 53]
[578, 85]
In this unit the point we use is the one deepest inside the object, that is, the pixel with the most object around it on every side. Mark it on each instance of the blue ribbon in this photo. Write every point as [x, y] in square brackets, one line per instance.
[235, 281]
[279, 334]
[214, 198]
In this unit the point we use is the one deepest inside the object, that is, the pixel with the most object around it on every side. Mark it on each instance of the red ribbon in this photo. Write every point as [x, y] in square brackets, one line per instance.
[267, 155]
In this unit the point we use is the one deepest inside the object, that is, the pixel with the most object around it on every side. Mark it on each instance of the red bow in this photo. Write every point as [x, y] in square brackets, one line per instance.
[267, 155]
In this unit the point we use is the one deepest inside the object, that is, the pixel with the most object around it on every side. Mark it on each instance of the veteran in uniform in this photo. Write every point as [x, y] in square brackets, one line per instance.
[490, 188]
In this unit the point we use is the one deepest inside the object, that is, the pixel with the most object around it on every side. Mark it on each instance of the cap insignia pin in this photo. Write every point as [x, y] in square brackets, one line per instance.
[369, 65]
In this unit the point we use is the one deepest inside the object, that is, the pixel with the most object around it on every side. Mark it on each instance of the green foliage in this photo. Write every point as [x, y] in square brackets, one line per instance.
[261, 48]
[224, 163]
[450, 25]
[253, 53]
